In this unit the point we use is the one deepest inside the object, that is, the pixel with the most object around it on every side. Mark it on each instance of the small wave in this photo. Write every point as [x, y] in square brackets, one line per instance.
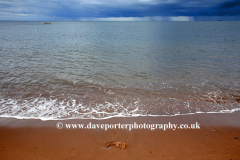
[55, 109]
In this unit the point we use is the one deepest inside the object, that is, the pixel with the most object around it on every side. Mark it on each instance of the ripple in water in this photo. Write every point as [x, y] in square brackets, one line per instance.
[107, 69]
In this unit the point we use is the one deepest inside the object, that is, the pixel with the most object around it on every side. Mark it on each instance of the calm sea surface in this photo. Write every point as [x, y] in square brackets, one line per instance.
[107, 69]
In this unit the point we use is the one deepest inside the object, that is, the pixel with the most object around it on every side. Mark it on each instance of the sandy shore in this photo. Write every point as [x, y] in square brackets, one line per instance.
[217, 138]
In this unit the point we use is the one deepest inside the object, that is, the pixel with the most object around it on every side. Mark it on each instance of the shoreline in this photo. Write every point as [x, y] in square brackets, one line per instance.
[217, 138]
[216, 119]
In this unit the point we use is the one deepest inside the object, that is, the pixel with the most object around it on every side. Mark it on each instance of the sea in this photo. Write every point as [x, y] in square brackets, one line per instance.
[99, 70]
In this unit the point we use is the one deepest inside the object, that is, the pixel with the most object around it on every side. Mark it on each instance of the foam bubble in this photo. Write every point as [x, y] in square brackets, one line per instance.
[55, 109]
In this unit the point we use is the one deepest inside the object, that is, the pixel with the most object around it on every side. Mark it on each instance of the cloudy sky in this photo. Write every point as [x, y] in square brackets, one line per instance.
[127, 10]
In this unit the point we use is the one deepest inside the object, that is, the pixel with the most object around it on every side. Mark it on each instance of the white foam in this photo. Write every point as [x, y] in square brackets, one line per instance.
[53, 109]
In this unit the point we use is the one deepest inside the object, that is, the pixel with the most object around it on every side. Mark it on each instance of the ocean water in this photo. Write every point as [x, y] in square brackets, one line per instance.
[108, 69]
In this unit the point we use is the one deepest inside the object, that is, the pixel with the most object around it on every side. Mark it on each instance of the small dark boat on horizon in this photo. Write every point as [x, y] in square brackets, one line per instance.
[47, 23]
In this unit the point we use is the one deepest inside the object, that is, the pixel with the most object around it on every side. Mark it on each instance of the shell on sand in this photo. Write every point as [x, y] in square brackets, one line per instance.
[119, 144]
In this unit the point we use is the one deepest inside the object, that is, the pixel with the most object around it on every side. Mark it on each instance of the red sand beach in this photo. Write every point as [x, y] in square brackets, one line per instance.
[217, 138]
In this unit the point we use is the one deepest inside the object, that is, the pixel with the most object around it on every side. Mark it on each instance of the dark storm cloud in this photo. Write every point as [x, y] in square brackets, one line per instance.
[231, 8]
[79, 9]
[231, 4]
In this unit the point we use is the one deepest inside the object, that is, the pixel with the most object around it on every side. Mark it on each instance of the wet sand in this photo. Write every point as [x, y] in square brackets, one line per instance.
[217, 138]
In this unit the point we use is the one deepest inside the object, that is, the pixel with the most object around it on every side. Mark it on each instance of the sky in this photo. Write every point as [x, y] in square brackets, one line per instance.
[119, 10]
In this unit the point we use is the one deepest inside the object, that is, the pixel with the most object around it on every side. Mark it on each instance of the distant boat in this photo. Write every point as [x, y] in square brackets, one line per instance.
[47, 23]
